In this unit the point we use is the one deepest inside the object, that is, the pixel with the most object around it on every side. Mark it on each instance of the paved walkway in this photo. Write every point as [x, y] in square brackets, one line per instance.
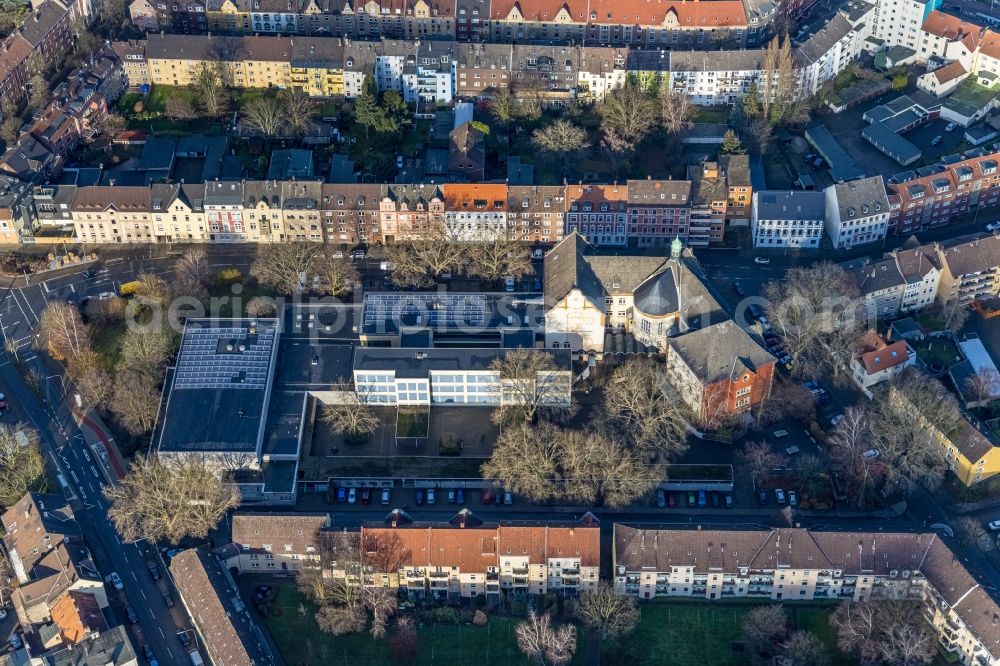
[100, 441]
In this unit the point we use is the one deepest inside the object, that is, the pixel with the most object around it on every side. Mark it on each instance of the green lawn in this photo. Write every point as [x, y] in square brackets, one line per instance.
[940, 350]
[678, 633]
[710, 114]
[301, 643]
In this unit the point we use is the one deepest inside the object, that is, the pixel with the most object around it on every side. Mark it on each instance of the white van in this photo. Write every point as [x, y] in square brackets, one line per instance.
[508, 285]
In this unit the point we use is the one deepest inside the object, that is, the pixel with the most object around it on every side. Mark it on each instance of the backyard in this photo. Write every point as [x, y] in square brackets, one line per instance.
[680, 633]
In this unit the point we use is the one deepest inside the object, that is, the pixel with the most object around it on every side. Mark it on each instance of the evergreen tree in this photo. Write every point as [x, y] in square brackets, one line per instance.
[731, 143]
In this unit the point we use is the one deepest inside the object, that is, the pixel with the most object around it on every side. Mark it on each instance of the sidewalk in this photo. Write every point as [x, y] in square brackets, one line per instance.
[100, 441]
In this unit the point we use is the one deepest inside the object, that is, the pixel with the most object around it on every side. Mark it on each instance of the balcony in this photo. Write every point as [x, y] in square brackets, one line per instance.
[523, 571]
[438, 574]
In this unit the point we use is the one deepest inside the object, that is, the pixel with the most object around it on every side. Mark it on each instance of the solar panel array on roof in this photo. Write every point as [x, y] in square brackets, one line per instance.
[224, 357]
[450, 310]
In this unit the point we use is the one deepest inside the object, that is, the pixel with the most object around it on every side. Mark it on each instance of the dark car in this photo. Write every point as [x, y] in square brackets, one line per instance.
[366, 495]
[701, 499]
[3, 402]
[168, 600]
[755, 311]
[661, 499]
[420, 497]
[671, 500]
[341, 494]
[132, 617]
[487, 496]
[691, 499]
[154, 571]
[460, 496]
[740, 291]
[729, 501]
[716, 501]
[762, 497]
[184, 638]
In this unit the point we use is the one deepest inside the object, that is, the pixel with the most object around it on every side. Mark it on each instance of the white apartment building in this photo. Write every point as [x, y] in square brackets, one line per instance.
[602, 69]
[904, 280]
[277, 543]
[429, 76]
[424, 377]
[786, 564]
[224, 212]
[715, 77]
[828, 51]
[857, 212]
[787, 218]
[898, 22]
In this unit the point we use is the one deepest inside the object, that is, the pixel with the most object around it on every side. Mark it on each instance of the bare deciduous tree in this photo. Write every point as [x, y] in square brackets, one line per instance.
[763, 627]
[264, 115]
[420, 263]
[93, 381]
[62, 329]
[261, 306]
[178, 108]
[609, 614]
[545, 462]
[135, 401]
[210, 79]
[788, 401]
[816, 313]
[891, 631]
[972, 534]
[292, 267]
[341, 620]
[297, 108]
[544, 644]
[169, 500]
[352, 416]
[498, 258]
[638, 406]
[983, 385]
[21, 465]
[192, 273]
[145, 351]
[848, 444]
[802, 648]
[629, 112]
[8, 580]
[675, 110]
[560, 142]
[758, 458]
[528, 384]
[404, 643]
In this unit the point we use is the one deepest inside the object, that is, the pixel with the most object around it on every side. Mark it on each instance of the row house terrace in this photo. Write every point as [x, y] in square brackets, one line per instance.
[351, 213]
[300, 207]
[475, 212]
[411, 212]
[658, 211]
[466, 557]
[599, 213]
[114, 214]
[904, 280]
[705, 24]
[535, 213]
[931, 196]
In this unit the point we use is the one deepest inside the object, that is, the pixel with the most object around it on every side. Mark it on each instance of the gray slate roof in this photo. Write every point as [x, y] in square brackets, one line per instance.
[720, 351]
[861, 198]
[790, 205]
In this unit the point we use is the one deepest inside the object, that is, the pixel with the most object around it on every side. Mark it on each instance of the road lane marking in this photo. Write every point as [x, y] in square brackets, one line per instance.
[134, 576]
[141, 591]
[161, 632]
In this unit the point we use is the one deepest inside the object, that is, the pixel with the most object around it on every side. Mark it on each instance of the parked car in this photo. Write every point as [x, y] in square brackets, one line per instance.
[950, 127]
[871, 454]
[338, 255]
[508, 284]
[755, 311]
[671, 500]
[399, 161]
[341, 494]
[661, 499]
[431, 499]
[762, 497]
[936, 140]
[729, 501]
[508, 498]
[994, 525]
[132, 617]
[352, 496]
[763, 261]
[537, 253]
[740, 291]
[183, 637]
[993, 226]
[779, 495]
[810, 385]
[810, 157]
[487, 496]
[358, 255]
[154, 571]
[793, 499]
[15, 640]
[702, 500]
[460, 496]
[835, 419]
[716, 500]
[385, 496]
[691, 499]
[451, 496]
[3, 402]
[366, 495]
[116, 580]
[420, 497]
[168, 600]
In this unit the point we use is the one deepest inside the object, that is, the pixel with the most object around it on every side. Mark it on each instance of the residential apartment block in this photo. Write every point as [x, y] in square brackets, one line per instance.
[933, 195]
[793, 564]
[897, 22]
[787, 218]
[279, 543]
[720, 370]
[971, 450]
[44, 33]
[904, 280]
[857, 212]
[970, 268]
[466, 557]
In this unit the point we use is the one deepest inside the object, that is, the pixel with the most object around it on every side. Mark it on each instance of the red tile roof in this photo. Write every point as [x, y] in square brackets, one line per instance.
[695, 14]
